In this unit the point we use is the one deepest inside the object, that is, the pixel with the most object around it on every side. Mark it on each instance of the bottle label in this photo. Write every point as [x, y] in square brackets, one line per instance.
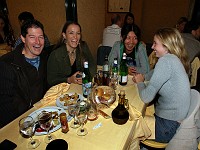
[105, 68]
[83, 75]
[124, 79]
[87, 88]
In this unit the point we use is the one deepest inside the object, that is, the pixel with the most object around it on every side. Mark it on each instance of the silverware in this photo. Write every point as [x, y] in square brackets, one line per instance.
[106, 116]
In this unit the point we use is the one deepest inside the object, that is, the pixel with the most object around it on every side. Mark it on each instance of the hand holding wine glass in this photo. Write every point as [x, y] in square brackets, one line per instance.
[26, 128]
[45, 121]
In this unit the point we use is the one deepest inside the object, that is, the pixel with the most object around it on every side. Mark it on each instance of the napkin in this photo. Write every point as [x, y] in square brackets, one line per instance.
[52, 94]
[145, 127]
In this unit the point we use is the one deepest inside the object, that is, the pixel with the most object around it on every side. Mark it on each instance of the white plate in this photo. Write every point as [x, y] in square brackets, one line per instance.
[35, 114]
[61, 103]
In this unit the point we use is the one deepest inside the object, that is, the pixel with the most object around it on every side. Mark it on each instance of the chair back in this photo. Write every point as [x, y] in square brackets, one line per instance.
[101, 53]
[188, 132]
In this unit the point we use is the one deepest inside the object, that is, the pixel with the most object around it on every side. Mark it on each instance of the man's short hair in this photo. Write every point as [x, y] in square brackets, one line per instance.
[115, 18]
[25, 16]
[30, 24]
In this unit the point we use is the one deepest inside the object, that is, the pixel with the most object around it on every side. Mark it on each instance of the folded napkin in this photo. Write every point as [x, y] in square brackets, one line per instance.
[52, 94]
[142, 130]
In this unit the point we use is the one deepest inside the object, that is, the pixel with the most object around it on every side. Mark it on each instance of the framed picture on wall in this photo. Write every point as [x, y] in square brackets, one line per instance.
[119, 5]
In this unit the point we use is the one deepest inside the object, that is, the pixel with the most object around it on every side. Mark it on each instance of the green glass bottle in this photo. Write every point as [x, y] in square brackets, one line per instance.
[123, 71]
[86, 80]
[115, 67]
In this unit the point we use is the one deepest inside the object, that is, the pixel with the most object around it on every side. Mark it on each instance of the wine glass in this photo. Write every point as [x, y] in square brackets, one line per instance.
[45, 122]
[27, 128]
[82, 118]
[73, 110]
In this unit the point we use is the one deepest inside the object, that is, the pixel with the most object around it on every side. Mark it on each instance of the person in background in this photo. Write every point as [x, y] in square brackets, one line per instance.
[129, 20]
[191, 38]
[23, 73]
[180, 25]
[112, 33]
[6, 33]
[23, 17]
[170, 80]
[135, 50]
[66, 61]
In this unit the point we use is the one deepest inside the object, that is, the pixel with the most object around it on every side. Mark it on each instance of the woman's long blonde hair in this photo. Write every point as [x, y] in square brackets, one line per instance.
[172, 40]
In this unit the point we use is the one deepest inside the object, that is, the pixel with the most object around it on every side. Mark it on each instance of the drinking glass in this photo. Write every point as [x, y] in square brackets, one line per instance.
[27, 128]
[113, 81]
[45, 122]
[82, 119]
[73, 110]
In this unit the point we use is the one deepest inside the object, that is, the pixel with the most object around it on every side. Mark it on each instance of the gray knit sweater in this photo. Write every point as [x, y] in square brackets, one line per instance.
[171, 82]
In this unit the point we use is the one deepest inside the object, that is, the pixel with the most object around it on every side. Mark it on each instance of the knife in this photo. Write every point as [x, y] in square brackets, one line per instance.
[106, 116]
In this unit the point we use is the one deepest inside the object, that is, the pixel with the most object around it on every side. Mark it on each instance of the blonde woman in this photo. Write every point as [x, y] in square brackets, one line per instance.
[170, 81]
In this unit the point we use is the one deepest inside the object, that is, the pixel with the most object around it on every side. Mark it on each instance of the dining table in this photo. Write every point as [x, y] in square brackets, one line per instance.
[102, 134]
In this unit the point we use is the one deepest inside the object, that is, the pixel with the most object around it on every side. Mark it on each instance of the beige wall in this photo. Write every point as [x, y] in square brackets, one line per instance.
[93, 16]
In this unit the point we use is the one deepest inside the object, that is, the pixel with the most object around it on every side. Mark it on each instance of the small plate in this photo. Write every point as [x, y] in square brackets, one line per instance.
[59, 110]
[60, 102]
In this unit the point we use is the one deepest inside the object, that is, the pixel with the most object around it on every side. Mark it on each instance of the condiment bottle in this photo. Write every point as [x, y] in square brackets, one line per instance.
[64, 123]
[120, 114]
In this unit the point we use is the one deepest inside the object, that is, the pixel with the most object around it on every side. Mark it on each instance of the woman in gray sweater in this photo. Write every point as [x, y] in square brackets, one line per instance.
[170, 81]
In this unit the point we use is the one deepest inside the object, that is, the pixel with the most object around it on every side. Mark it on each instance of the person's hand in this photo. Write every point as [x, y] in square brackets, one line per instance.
[131, 70]
[75, 78]
[138, 78]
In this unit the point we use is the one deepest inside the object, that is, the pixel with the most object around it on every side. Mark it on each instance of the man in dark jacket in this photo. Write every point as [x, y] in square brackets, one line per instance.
[23, 73]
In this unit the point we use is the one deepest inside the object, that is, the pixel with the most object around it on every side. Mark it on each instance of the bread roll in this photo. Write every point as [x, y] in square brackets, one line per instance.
[99, 92]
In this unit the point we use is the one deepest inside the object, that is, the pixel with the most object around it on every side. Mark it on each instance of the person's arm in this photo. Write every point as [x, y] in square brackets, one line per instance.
[55, 74]
[114, 53]
[160, 75]
[142, 60]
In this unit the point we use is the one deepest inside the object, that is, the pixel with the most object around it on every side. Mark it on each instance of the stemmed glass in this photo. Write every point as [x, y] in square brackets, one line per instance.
[45, 122]
[82, 119]
[27, 128]
[73, 110]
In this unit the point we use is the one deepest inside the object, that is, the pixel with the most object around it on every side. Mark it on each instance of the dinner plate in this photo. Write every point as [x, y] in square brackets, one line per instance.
[61, 103]
[35, 114]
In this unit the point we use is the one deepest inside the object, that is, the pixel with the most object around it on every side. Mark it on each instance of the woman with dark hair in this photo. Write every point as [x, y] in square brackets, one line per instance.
[134, 49]
[6, 32]
[66, 61]
[129, 20]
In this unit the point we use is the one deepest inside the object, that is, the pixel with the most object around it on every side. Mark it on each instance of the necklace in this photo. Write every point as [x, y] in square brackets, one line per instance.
[72, 56]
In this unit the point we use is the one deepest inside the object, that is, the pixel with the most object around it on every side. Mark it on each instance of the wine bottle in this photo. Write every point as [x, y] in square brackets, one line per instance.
[115, 67]
[120, 114]
[86, 80]
[106, 71]
[123, 71]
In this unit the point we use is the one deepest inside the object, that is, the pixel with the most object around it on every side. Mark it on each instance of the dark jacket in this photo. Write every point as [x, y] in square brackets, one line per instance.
[59, 67]
[21, 84]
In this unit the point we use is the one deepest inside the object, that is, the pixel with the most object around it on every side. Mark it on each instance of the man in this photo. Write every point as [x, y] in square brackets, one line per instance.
[23, 73]
[112, 33]
[191, 38]
[23, 17]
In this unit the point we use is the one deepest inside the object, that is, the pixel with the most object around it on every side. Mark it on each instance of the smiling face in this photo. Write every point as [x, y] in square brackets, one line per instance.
[72, 36]
[33, 42]
[158, 47]
[130, 42]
